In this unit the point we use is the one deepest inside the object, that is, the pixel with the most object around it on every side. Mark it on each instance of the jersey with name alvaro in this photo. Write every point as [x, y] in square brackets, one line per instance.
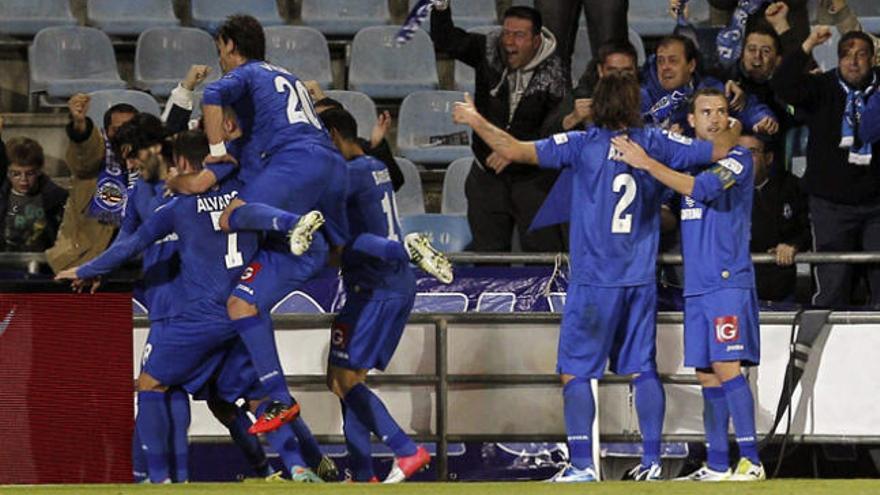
[212, 261]
[615, 222]
[372, 210]
[272, 106]
[716, 225]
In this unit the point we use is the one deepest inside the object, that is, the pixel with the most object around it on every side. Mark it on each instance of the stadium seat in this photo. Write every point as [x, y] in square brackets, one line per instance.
[130, 17]
[636, 40]
[868, 12]
[301, 50]
[164, 55]
[440, 302]
[410, 199]
[425, 115]
[210, 14]
[826, 53]
[448, 233]
[467, 14]
[360, 106]
[454, 201]
[64, 61]
[344, 17]
[496, 302]
[582, 54]
[464, 74]
[103, 100]
[650, 17]
[28, 17]
[383, 69]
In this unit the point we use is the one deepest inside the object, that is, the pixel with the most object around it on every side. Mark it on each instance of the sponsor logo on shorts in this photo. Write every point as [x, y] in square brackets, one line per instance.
[245, 288]
[692, 214]
[339, 334]
[269, 375]
[726, 329]
[735, 348]
[250, 272]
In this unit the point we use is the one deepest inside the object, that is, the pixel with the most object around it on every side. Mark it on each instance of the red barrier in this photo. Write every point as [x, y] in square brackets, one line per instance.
[65, 388]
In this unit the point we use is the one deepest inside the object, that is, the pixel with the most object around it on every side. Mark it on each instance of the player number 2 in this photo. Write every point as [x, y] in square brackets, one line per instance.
[233, 256]
[297, 97]
[622, 223]
[389, 207]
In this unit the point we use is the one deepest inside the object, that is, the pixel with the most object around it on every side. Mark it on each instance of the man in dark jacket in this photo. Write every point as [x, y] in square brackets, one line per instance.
[31, 205]
[843, 170]
[521, 88]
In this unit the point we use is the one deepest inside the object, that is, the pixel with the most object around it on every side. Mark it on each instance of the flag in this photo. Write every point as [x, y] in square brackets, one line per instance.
[416, 17]
[556, 208]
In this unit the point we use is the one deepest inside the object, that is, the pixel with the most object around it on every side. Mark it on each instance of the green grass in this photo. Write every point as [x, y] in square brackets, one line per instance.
[795, 487]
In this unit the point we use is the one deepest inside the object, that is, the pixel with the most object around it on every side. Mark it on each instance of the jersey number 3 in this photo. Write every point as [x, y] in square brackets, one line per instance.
[299, 105]
[621, 223]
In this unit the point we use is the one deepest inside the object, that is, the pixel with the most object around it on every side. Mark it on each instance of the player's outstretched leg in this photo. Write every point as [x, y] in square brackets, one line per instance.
[579, 411]
[179, 417]
[429, 259]
[650, 402]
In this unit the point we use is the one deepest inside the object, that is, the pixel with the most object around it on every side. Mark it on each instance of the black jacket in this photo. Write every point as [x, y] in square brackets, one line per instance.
[54, 197]
[542, 106]
[829, 174]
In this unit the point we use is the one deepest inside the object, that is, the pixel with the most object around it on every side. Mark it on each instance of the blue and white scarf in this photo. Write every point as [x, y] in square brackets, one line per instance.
[111, 192]
[859, 150]
[729, 40]
[414, 20]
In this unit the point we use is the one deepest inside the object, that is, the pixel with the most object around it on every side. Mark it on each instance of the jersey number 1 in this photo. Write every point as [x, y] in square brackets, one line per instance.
[622, 223]
[233, 256]
[297, 97]
[389, 207]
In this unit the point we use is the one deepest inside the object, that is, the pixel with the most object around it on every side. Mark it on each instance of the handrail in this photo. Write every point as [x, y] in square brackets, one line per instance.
[664, 258]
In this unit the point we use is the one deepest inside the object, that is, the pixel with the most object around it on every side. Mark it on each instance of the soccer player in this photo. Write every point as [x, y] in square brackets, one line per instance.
[298, 170]
[614, 230]
[721, 310]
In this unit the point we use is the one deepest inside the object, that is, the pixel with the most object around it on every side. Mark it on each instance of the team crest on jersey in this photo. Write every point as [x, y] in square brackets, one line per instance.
[339, 334]
[726, 329]
[732, 165]
[251, 271]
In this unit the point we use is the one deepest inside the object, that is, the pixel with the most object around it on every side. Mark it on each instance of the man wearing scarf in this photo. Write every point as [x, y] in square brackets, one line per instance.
[843, 168]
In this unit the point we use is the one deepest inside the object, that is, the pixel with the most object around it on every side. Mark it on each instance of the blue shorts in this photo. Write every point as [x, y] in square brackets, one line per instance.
[602, 323]
[235, 379]
[367, 330]
[186, 352]
[721, 326]
[274, 273]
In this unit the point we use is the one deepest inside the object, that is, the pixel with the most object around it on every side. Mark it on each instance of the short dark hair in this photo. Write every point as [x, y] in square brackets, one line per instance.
[327, 103]
[617, 47]
[854, 35]
[617, 102]
[764, 28]
[118, 108]
[707, 91]
[527, 13]
[341, 121]
[192, 146]
[142, 131]
[25, 151]
[246, 33]
[690, 49]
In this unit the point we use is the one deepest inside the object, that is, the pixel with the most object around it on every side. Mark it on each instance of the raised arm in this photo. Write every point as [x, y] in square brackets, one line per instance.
[502, 143]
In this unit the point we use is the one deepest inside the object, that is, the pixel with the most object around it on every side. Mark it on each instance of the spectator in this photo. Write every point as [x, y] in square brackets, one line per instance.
[31, 205]
[799, 13]
[841, 177]
[606, 22]
[671, 76]
[838, 13]
[615, 56]
[521, 87]
[780, 223]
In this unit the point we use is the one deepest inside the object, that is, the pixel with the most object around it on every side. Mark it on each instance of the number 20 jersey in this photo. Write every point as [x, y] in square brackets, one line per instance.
[615, 209]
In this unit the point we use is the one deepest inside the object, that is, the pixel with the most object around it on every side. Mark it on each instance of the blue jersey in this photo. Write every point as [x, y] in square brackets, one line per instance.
[372, 210]
[716, 225]
[615, 212]
[273, 107]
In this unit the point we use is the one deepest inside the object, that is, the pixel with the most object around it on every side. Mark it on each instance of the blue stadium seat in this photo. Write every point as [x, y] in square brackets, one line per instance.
[826, 53]
[344, 17]
[301, 50]
[425, 115]
[448, 233]
[496, 302]
[467, 14]
[103, 100]
[454, 201]
[410, 199]
[868, 12]
[383, 69]
[164, 55]
[297, 302]
[636, 40]
[64, 61]
[210, 14]
[464, 74]
[28, 17]
[440, 302]
[360, 106]
[130, 17]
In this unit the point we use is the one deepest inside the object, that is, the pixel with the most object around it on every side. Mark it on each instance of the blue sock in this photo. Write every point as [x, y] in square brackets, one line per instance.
[716, 417]
[257, 335]
[249, 444]
[179, 414]
[372, 412]
[138, 459]
[311, 451]
[259, 216]
[153, 429]
[579, 410]
[380, 247]
[742, 411]
[284, 442]
[650, 402]
[357, 440]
